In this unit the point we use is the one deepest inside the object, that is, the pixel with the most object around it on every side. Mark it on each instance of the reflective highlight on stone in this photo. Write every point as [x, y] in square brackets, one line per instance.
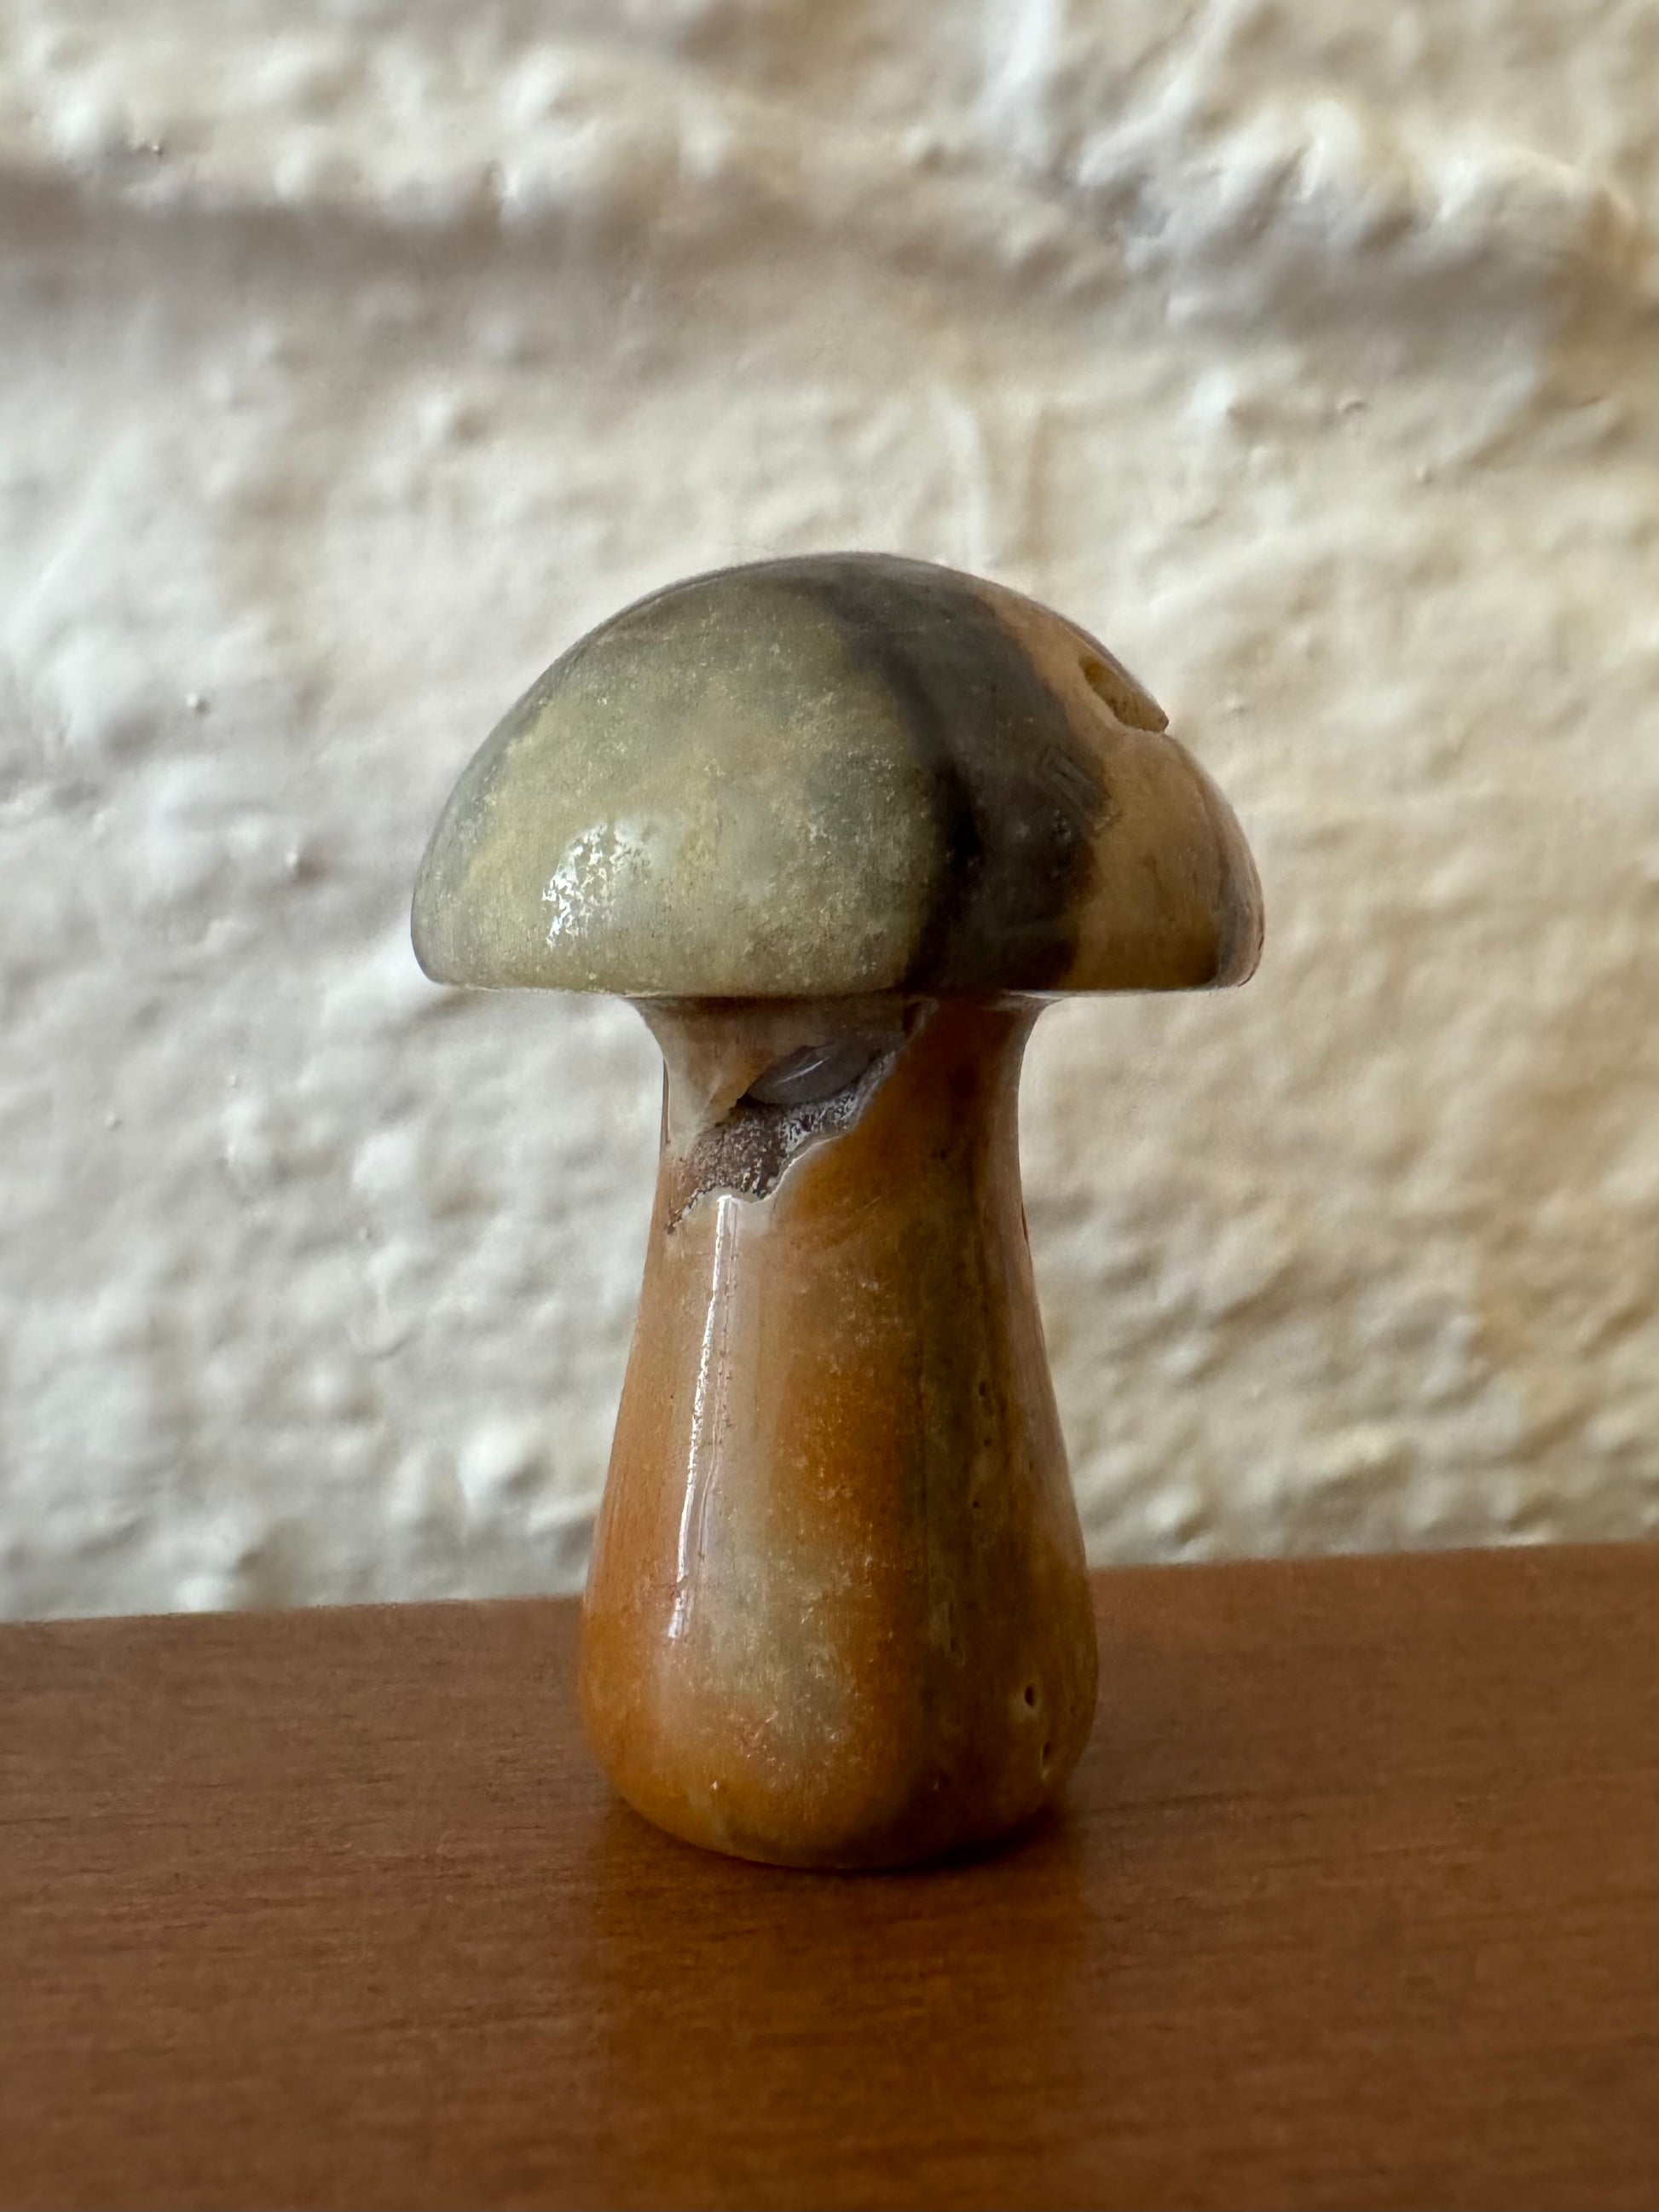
[841, 773]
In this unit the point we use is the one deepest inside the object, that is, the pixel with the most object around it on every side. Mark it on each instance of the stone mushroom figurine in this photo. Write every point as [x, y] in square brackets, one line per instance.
[838, 826]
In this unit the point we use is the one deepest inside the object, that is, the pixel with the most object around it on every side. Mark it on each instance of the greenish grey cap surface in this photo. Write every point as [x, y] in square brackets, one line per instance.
[831, 775]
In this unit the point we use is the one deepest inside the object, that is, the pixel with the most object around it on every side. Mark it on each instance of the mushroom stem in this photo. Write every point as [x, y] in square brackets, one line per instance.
[837, 1613]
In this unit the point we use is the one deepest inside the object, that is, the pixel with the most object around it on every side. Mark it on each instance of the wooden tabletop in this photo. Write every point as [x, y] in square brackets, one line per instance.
[1355, 1902]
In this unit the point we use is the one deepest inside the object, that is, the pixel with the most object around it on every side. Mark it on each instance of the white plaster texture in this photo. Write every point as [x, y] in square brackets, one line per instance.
[357, 358]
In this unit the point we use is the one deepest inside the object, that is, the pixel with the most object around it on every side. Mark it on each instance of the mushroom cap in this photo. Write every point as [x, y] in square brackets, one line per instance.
[834, 776]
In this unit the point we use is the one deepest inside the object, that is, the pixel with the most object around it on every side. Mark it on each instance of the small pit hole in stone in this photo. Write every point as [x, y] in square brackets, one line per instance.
[1112, 686]
[1047, 1755]
[1030, 1694]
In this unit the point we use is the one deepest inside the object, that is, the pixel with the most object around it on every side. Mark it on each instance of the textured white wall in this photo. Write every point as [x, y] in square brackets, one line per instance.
[356, 358]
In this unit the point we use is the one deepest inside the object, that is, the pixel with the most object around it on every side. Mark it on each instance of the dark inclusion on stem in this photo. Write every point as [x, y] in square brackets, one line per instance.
[810, 1093]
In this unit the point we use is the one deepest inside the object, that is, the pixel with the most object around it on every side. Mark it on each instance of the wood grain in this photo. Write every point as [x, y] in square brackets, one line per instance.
[1355, 1902]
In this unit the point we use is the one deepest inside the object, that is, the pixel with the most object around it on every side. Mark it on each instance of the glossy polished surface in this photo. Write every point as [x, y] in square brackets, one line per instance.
[825, 820]
[837, 1613]
[837, 773]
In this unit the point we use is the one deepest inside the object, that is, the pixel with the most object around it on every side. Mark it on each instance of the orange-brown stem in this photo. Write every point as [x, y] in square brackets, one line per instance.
[837, 1613]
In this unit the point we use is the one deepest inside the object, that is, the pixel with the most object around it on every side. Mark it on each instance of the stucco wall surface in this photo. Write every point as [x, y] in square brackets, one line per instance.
[353, 359]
